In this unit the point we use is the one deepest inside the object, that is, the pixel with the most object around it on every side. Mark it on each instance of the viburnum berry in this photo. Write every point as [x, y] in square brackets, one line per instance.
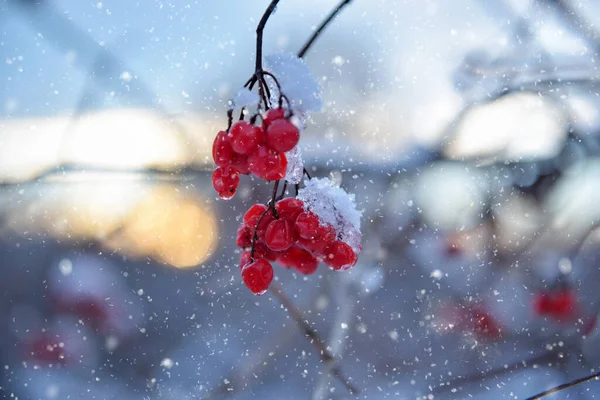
[299, 259]
[262, 251]
[267, 163]
[273, 115]
[483, 324]
[324, 236]
[240, 163]
[253, 214]
[307, 225]
[225, 180]
[289, 208]
[222, 151]
[245, 137]
[559, 305]
[257, 275]
[339, 256]
[244, 236]
[279, 235]
[47, 349]
[245, 258]
[282, 135]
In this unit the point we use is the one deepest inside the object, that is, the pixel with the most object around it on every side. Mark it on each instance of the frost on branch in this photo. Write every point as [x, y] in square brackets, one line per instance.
[333, 206]
[296, 80]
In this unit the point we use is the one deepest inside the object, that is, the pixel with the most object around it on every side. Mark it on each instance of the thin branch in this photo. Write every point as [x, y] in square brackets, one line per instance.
[564, 386]
[316, 341]
[259, 34]
[576, 21]
[338, 336]
[460, 381]
[323, 25]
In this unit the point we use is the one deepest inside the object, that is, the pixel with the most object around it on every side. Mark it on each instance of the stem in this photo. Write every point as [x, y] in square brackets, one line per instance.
[259, 34]
[274, 194]
[323, 25]
[255, 233]
[316, 341]
[282, 194]
[229, 119]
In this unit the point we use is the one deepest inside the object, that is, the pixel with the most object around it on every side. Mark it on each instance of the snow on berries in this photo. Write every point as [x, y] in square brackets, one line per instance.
[334, 207]
[299, 233]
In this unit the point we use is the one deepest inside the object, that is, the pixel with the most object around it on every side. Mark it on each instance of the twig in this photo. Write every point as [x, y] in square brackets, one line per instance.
[576, 21]
[564, 386]
[259, 34]
[458, 382]
[338, 336]
[323, 25]
[316, 341]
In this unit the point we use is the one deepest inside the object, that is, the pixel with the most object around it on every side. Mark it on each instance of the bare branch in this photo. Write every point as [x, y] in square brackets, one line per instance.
[565, 386]
[323, 25]
[316, 341]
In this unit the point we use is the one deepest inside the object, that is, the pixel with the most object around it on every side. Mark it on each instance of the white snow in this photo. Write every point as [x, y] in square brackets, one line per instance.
[296, 80]
[244, 98]
[295, 166]
[333, 206]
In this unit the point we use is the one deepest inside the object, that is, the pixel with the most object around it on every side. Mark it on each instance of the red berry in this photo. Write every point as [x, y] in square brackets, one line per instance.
[559, 305]
[253, 214]
[225, 180]
[267, 164]
[282, 135]
[307, 225]
[245, 137]
[279, 172]
[289, 208]
[244, 236]
[339, 256]
[279, 235]
[47, 349]
[272, 115]
[325, 235]
[299, 259]
[245, 258]
[257, 275]
[222, 152]
[484, 325]
[240, 162]
[262, 251]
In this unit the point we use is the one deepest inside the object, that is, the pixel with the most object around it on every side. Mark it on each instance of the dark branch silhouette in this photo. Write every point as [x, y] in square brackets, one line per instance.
[323, 25]
[565, 386]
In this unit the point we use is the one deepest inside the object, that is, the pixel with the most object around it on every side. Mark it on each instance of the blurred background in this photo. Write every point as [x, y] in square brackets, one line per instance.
[469, 131]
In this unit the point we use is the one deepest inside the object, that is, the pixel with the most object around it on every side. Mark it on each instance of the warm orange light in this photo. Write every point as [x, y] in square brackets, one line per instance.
[168, 226]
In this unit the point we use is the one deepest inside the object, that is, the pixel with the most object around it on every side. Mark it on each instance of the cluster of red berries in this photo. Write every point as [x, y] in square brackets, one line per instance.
[290, 235]
[251, 149]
